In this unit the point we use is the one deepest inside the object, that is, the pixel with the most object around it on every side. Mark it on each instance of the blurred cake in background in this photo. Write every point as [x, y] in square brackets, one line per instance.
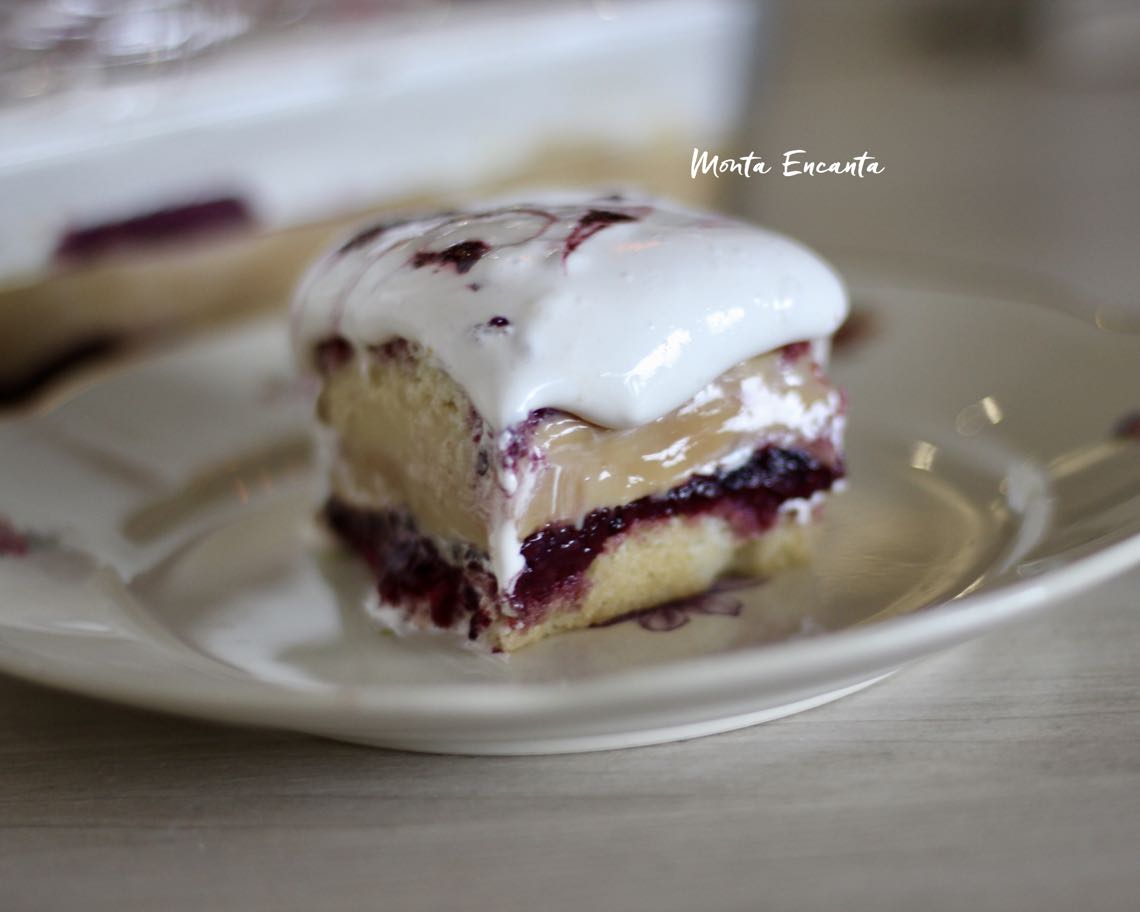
[149, 193]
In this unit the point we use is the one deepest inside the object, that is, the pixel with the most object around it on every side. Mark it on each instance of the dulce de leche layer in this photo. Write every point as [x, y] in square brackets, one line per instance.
[409, 437]
[575, 467]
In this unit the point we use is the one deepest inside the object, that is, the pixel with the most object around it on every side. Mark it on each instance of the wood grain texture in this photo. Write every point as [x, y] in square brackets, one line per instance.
[1004, 774]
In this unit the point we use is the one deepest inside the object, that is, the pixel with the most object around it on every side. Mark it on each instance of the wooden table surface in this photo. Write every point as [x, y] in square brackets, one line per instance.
[1003, 774]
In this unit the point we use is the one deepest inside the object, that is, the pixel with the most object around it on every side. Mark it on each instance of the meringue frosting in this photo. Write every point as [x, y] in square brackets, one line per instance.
[614, 309]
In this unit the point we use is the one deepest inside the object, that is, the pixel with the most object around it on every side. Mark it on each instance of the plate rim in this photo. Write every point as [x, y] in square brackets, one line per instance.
[888, 642]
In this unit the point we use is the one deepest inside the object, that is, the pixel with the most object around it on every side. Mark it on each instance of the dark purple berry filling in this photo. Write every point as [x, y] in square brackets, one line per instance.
[396, 349]
[590, 224]
[332, 354]
[364, 237]
[12, 542]
[411, 571]
[748, 497]
[518, 445]
[717, 601]
[370, 233]
[492, 327]
[462, 256]
[160, 226]
[1128, 427]
[793, 351]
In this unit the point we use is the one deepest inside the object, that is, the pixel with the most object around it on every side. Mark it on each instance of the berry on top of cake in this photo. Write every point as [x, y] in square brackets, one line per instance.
[545, 415]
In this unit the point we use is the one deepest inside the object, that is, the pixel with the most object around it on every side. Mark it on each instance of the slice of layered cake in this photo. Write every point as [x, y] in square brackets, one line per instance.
[544, 416]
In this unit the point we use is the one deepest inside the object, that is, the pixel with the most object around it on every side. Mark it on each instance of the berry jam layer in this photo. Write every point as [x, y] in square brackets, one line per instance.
[446, 585]
[171, 224]
[413, 573]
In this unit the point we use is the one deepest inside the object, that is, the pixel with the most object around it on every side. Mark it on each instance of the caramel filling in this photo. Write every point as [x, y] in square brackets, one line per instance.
[577, 467]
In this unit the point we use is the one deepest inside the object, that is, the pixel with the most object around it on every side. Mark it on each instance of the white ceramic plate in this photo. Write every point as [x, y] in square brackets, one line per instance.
[159, 547]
